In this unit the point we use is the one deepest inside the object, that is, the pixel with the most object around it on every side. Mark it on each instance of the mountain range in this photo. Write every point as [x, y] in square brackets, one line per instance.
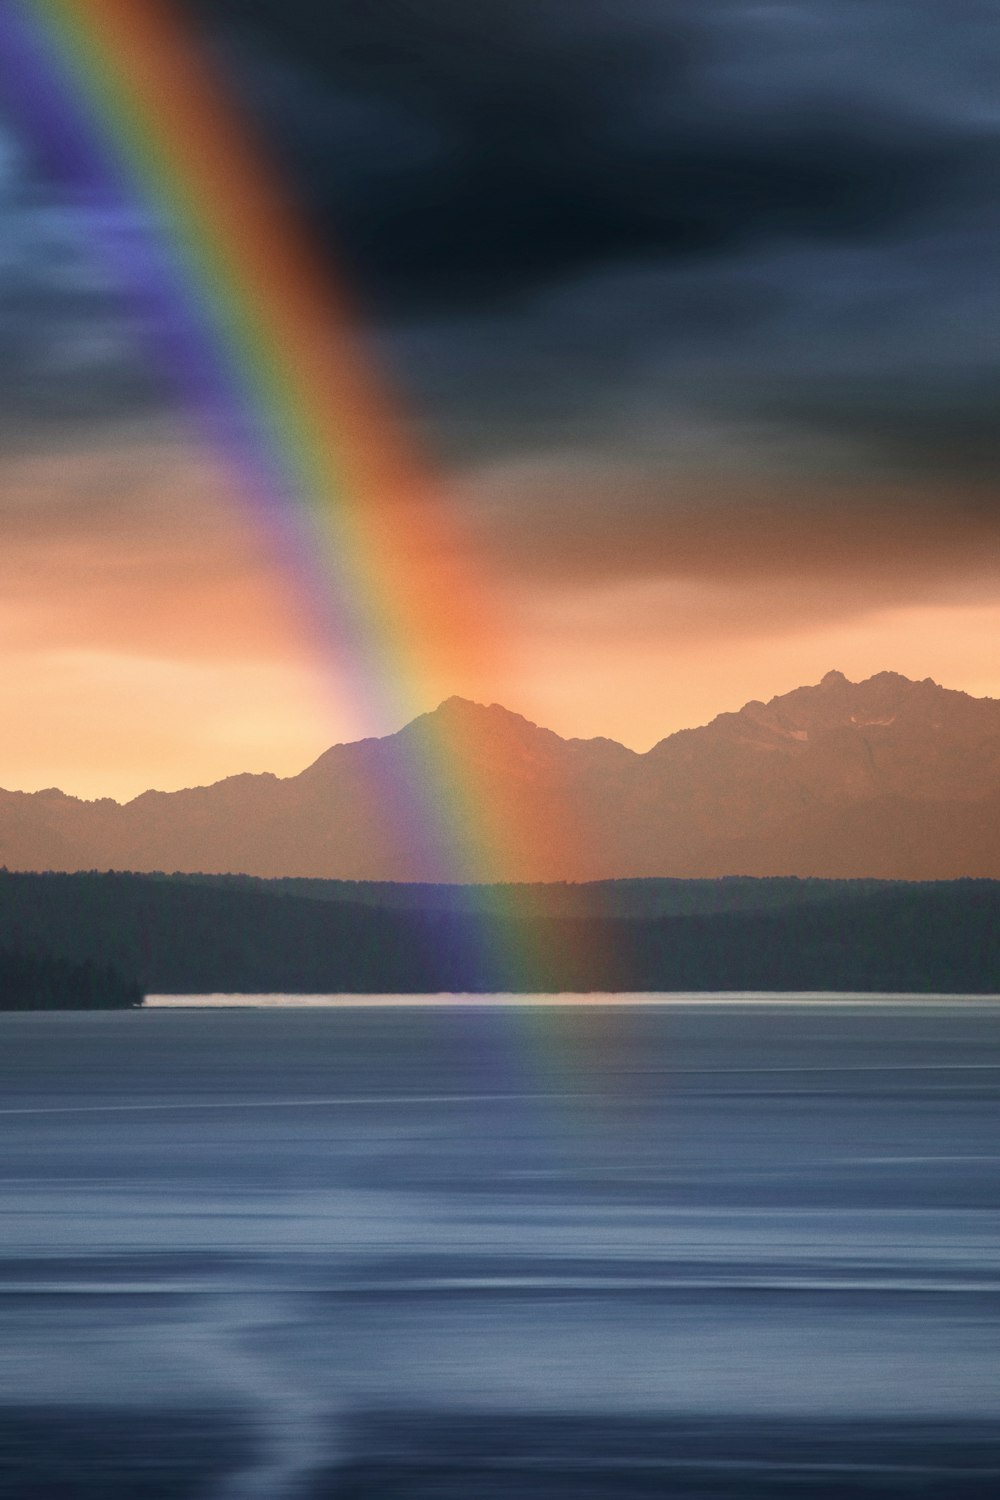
[886, 778]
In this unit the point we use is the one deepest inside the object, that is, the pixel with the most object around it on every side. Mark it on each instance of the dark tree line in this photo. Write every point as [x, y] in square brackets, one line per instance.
[641, 896]
[30, 982]
[180, 934]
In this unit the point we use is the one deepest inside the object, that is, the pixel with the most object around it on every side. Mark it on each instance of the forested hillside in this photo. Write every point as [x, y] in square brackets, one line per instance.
[183, 935]
[642, 897]
[30, 982]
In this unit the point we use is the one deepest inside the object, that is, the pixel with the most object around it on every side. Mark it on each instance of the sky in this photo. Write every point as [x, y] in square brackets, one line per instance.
[691, 309]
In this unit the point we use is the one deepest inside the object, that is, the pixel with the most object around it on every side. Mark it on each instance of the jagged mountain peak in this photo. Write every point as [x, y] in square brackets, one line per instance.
[456, 726]
[794, 720]
[467, 710]
[465, 721]
[456, 704]
[835, 693]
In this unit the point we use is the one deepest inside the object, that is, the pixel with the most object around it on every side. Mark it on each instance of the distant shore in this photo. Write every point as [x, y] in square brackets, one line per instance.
[588, 998]
[107, 939]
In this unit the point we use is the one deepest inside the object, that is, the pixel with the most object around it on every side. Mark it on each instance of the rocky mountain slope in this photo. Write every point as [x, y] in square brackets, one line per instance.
[887, 777]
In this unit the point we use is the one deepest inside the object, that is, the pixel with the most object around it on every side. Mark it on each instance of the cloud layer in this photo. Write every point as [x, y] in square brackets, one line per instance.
[593, 226]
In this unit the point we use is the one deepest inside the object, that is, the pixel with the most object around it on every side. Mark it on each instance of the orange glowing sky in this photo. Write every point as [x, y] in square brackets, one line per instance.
[148, 639]
[705, 378]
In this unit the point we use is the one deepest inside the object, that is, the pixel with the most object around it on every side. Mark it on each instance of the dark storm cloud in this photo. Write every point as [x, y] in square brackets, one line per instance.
[468, 153]
[763, 232]
[757, 216]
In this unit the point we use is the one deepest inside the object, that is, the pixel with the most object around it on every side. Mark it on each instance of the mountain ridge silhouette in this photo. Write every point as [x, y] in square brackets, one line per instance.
[889, 778]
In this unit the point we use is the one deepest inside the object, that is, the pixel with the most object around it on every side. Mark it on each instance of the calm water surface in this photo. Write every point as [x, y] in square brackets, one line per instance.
[445, 1249]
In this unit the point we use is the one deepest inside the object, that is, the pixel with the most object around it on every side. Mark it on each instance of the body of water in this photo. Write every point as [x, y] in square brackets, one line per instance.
[434, 1248]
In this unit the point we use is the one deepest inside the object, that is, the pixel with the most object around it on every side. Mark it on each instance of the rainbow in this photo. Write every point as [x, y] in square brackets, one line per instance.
[261, 342]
